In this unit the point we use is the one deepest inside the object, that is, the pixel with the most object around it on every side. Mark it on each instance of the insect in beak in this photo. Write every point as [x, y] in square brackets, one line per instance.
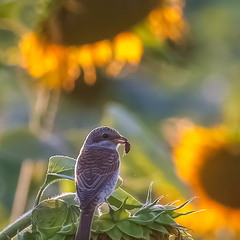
[123, 140]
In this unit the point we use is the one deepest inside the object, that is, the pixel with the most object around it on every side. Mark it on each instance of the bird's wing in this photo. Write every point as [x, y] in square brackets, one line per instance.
[95, 168]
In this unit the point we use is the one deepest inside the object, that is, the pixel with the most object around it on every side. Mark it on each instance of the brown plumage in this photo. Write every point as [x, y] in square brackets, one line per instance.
[96, 173]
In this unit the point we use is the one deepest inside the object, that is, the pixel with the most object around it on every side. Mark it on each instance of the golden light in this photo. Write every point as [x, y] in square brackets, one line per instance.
[208, 159]
[59, 66]
[102, 52]
[167, 23]
[128, 48]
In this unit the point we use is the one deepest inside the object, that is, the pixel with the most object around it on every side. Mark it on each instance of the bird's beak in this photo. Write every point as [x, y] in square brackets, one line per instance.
[122, 140]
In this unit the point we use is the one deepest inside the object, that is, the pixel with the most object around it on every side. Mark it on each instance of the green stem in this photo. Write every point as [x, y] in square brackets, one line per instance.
[44, 110]
[20, 224]
[51, 110]
[38, 198]
[39, 194]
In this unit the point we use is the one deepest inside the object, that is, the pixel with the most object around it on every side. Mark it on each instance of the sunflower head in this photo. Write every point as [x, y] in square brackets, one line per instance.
[208, 159]
[73, 40]
[59, 66]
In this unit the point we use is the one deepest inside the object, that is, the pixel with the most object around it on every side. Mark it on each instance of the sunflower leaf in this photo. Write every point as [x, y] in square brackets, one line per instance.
[28, 236]
[69, 229]
[144, 219]
[130, 228]
[115, 233]
[146, 233]
[105, 225]
[151, 207]
[166, 219]
[149, 194]
[119, 196]
[62, 166]
[171, 207]
[49, 217]
[59, 167]
[176, 214]
[158, 227]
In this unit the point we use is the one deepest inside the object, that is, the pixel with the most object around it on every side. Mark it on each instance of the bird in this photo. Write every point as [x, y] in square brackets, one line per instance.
[96, 173]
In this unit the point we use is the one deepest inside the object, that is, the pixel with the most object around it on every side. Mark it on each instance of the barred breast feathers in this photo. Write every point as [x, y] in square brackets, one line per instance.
[96, 166]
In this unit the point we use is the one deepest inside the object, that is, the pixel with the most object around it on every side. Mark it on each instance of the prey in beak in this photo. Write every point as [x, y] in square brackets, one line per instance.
[123, 140]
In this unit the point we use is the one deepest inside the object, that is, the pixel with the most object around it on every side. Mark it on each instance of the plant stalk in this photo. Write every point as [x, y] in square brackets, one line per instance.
[20, 224]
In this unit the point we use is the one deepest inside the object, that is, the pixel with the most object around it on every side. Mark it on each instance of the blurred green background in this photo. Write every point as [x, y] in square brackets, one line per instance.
[199, 81]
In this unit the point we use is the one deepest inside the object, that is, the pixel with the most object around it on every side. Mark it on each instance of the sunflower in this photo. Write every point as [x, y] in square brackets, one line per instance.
[208, 159]
[59, 66]
[67, 43]
[168, 21]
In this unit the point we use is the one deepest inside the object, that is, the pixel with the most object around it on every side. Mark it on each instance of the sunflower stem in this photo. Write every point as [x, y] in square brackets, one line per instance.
[20, 224]
[44, 110]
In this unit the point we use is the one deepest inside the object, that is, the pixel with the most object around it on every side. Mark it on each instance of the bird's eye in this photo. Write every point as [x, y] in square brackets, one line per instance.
[105, 135]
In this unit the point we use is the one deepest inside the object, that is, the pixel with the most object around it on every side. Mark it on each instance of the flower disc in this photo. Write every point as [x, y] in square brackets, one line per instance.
[219, 175]
[80, 22]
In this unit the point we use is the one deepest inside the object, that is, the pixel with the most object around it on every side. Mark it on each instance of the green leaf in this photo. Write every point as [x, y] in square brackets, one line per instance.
[121, 213]
[146, 233]
[59, 167]
[158, 227]
[69, 227]
[105, 225]
[56, 237]
[115, 233]
[28, 236]
[49, 217]
[146, 218]
[146, 208]
[149, 194]
[176, 214]
[69, 198]
[95, 224]
[119, 196]
[73, 214]
[50, 213]
[166, 220]
[130, 228]
[126, 237]
[171, 207]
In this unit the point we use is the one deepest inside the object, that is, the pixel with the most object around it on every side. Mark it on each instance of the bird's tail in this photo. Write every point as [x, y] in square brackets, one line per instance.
[85, 224]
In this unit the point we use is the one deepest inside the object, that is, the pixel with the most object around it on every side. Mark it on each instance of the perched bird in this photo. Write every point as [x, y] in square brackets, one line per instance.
[96, 173]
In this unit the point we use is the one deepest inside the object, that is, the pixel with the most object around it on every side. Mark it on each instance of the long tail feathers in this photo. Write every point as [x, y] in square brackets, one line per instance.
[84, 228]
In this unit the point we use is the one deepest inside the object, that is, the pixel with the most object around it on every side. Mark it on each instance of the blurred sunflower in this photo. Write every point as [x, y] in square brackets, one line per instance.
[168, 22]
[78, 36]
[208, 159]
[59, 66]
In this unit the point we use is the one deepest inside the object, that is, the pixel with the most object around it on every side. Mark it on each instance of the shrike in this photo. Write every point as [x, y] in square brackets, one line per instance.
[96, 173]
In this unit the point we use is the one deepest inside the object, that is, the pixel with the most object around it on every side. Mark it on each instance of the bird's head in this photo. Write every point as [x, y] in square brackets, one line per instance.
[106, 137]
